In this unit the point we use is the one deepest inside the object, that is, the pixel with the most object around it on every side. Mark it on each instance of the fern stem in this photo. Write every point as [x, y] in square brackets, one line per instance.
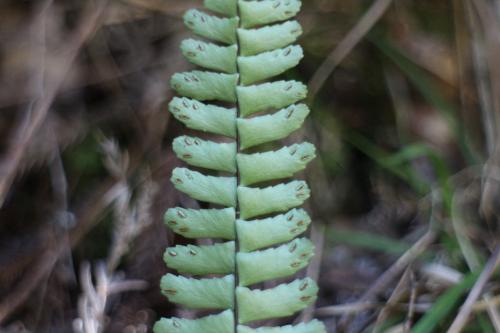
[238, 181]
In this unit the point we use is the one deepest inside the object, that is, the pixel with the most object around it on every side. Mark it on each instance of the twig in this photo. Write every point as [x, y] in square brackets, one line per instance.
[92, 305]
[128, 285]
[466, 309]
[349, 308]
[488, 50]
[411, 306]
[441, 274]
[398, 293]
[362, 27]
[480, 70]
[465, 244]
[356, 307]
[484, 305]
[130, 221]
[459, 225]
[389, 275]
[491, 24]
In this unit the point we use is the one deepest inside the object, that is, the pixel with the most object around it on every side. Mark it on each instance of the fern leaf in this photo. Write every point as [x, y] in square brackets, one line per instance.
[212, 27]
[259, 201]
[254, 41]
[210, 56]
[200, 260]
[206, 154]
[254, 13]
[274, 263]
[206, 85]
[262, 129]
[258, 234]
[217, 190]
[204, 117]
[213, 293]
[219, 323]
[202, 223]
[281, 301]
[273, 95]
[283, 163]
[278, 61]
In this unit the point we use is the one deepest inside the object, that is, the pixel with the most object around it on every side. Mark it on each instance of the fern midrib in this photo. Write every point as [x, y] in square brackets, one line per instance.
[237, 139]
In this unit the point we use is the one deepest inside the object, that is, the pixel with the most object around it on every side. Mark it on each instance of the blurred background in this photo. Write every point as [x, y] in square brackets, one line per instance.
[405, 99]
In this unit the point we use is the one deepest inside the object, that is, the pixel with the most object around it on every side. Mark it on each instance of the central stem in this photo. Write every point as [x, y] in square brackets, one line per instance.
[237, 247]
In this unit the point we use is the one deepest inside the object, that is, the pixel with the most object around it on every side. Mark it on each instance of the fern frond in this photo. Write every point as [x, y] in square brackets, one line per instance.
[249, 42]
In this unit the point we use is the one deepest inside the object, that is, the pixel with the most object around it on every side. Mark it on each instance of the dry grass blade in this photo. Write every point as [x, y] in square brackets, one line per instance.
[412, 305]
[342, 309]
[397, 294]
[441, 274]
[460, 227]
[483, 305]
[466, 309]
[484, 26]
[362, 27]
[491, 24]
[476, 47]
[399, 266]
